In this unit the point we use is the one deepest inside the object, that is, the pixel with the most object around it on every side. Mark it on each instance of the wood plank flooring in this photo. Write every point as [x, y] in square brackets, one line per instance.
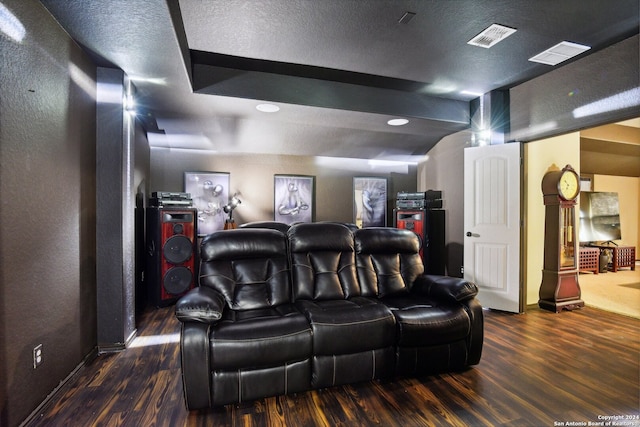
[537, 369]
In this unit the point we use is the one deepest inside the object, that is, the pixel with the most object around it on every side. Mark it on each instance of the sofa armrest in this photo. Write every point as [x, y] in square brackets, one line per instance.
[200, 304]
[195, 364]
[445, 287]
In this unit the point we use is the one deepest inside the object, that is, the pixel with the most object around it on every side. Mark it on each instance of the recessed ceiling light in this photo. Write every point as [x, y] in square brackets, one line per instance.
[491, 35]
[397, 122]
[559, 53]
[267, 108]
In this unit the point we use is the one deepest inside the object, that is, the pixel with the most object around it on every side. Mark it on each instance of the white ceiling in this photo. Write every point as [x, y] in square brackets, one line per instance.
[338, 69]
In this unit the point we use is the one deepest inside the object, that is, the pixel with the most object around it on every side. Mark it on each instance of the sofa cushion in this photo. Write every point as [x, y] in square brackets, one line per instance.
[335, 369]
[423, 322]
[322, 261]
[387, 260]
[249, 267]
[348, 326]
[260, 338]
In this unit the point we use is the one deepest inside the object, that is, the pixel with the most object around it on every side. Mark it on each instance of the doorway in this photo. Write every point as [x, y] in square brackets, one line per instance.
[610, 158]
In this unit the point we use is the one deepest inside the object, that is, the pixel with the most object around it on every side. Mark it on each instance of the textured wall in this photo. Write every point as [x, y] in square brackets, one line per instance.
[605, 83]
[115, 200]
[253, 177]
[47, 214]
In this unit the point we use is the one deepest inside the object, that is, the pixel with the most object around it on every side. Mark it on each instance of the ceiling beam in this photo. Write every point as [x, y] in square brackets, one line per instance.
[222, 75]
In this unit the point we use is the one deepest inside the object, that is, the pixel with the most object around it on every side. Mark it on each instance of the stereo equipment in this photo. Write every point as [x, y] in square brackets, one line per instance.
[171, 199]
[430, 199]
[172, 253]
[411, 196]
[410, 204]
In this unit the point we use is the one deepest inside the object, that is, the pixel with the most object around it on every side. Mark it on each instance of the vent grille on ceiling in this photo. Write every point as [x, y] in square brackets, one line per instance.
[559, 53]
[492, 35]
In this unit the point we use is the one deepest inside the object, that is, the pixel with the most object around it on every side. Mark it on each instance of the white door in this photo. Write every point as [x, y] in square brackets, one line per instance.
[492, 220]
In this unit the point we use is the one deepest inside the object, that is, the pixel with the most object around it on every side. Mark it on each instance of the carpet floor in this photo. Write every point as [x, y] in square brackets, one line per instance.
[617, 292]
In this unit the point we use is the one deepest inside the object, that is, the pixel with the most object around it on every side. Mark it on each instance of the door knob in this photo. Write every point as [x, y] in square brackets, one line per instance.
[469, 234]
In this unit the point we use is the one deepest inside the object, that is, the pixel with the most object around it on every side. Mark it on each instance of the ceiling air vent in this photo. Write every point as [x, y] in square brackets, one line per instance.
[560, 52]
[492, 35]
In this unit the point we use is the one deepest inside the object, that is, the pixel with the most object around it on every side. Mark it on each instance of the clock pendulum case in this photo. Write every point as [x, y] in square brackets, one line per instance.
[560, 289]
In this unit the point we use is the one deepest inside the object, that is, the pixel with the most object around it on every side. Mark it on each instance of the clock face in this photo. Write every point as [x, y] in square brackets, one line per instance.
[569, 185]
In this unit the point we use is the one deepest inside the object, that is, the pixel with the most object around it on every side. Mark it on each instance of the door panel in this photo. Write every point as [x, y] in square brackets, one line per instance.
[492, 224]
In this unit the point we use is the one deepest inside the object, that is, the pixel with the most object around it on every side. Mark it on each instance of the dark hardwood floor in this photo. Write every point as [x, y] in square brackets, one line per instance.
[537, 369]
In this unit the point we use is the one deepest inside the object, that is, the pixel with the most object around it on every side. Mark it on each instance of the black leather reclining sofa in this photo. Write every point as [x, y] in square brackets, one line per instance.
[318, 306]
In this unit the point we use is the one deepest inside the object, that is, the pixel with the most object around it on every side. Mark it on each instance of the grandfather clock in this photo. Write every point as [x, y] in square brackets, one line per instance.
[560, 289]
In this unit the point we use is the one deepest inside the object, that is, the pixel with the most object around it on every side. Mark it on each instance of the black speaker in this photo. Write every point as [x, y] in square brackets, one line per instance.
[436, 251]
[172, 253]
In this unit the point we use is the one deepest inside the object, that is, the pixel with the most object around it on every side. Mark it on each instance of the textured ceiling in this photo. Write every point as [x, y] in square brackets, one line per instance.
[339, 69]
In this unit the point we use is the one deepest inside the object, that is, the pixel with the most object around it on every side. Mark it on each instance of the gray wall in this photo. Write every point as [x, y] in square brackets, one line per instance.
[253, 177]
[47, 218]
[442, 170]
[115, 219]
[598, 89]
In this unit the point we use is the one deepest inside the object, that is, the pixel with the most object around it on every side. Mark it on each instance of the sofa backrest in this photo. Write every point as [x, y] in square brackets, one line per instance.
[275, 225]
[350, 225]
[387, 260]
[249, 267]
[322, 261]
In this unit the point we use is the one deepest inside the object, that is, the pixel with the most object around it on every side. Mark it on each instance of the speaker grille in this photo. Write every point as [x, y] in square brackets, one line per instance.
[172, 254]
[177, 280]
[177, 249]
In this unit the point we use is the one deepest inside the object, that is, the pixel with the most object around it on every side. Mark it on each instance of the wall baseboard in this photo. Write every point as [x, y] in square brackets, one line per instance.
[117, 347]
[60, 387]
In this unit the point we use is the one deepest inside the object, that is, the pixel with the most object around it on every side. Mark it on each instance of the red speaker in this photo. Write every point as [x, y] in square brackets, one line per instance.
[414, 220]
[172, 253]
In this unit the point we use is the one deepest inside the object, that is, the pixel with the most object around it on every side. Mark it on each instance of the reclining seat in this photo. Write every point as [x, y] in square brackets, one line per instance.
[242, 338]
[439, 322]
[353, 336]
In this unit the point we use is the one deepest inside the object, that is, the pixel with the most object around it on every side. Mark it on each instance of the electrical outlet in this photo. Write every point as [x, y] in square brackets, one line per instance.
[37, 356]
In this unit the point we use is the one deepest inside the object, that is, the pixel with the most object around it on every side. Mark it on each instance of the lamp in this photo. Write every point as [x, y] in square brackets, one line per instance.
[228, 208]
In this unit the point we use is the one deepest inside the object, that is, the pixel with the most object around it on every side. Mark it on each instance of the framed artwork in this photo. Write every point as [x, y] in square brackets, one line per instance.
[293, 198]
[370, 201]
[210, 193]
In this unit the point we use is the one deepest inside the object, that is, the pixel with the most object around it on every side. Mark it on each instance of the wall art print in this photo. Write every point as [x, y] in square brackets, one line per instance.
[294, 198]
[210, 193]
[370, 201]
